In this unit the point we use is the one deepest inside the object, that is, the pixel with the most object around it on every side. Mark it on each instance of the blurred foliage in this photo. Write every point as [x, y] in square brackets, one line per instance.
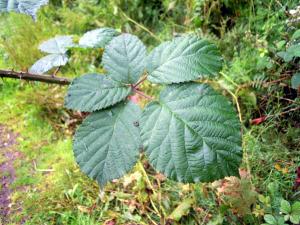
[249, 33]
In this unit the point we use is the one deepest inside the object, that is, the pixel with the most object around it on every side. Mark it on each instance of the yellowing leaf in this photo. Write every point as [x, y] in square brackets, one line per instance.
[182, 209]
[277, 167]
[83, 209]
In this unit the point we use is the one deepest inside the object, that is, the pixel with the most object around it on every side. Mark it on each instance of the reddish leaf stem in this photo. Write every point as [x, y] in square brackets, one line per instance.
[140, 81]
[135, 90]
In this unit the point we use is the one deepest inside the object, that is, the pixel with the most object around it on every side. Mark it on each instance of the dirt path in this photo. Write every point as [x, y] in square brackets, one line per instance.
[8, 154]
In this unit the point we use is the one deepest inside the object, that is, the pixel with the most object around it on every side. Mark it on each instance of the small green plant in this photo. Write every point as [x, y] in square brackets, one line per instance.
[190, 134]
[270, 219]
[291, 212]
[290, 55]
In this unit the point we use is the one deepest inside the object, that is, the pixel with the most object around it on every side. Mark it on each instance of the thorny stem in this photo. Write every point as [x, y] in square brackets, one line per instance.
[34, 77]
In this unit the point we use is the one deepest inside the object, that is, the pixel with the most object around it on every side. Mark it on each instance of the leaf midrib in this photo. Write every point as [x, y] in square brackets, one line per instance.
[178, 117]
[108, 146]
[188, 126]
[176, 57]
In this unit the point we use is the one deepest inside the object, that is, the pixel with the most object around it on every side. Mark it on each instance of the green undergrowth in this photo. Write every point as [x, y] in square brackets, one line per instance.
[50, 188]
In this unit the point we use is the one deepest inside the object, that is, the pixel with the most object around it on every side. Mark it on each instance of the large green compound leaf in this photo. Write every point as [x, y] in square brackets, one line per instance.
[97, 38]
[106, 145]
[93, 92]
[123, 58]
[192, 134]
[183, 59]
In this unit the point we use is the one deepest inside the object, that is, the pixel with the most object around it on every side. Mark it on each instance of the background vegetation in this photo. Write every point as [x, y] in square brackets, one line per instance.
[49, 187]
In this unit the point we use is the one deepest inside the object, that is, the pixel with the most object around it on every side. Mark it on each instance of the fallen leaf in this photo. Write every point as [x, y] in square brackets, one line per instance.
[258, 120]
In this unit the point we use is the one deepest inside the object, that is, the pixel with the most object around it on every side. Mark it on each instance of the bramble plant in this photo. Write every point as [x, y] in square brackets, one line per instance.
[190, 134]
[29, 7]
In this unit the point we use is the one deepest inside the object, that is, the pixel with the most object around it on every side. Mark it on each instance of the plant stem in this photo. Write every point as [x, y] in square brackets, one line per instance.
[288, 111]
[141, 93]
[140, 165]
[141, 26]
[237, 104]
[282, 113]
[265, 84]
[229, 79]
[56, 71]
[140, 81]
[35, 77]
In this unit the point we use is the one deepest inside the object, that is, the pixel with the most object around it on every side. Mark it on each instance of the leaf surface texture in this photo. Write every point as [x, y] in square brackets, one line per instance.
[93, 92]
[124, 57]
[192, 134]
[106, 145]
[183, 59]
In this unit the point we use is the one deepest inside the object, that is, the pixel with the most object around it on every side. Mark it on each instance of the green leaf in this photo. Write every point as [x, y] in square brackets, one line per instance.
[182, 209]
[294, 50]
[183, 59]
[29, 7]
[48, 62]
[93, 92]
[296, 208]
[106, 145]
[97, 38]
[295, 219]
[270, 219]
[57, 45]
[290, 53]
[192, 134]
[216, 220]
[285, 56]
[280, 44]
[123, 58]
[286, 217]
[296, 35]
[295, 214]
[280, 221]
[285, 206]
[295, 81]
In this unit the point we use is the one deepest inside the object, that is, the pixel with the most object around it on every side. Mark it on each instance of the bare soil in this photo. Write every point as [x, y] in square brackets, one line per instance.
[8, 154]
